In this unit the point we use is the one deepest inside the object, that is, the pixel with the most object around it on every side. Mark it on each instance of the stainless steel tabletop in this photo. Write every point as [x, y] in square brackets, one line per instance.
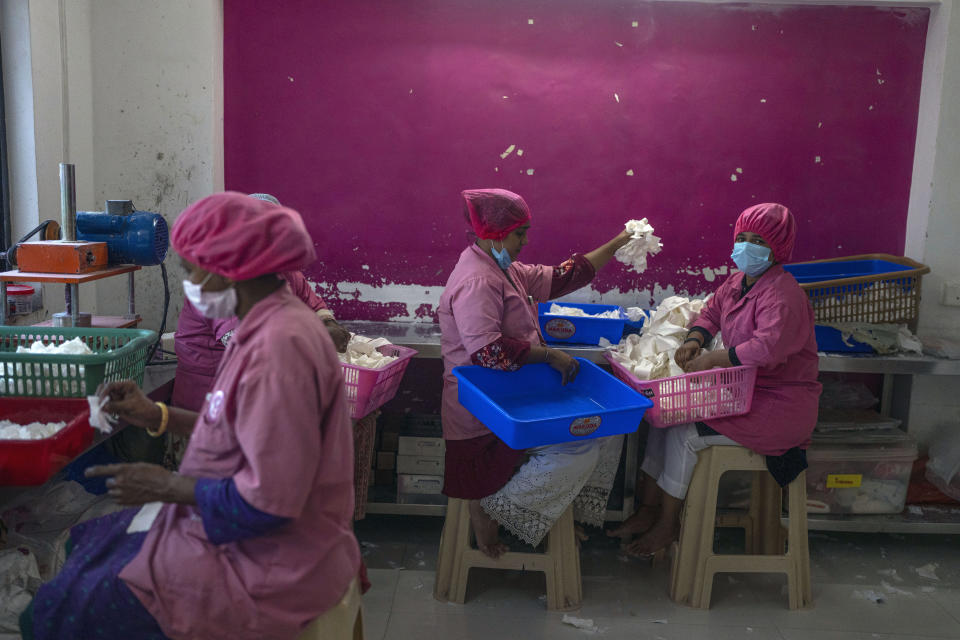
[425, 338]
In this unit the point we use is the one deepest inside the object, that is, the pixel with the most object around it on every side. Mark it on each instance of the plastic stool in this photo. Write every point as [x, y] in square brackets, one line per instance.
[560, 562]
[344, 621]
[695, 563]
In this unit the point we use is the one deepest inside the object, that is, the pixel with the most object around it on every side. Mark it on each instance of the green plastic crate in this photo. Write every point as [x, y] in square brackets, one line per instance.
[119, 354]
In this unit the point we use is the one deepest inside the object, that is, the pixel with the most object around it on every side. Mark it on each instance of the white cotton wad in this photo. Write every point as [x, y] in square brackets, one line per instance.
[363, 352]
[75, 347]
[643, 243]
[574, 312]
[649, 356]
[99, 419]
[33, 431]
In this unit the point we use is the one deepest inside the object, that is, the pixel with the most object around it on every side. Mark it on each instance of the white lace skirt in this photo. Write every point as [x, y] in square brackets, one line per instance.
[555, 476]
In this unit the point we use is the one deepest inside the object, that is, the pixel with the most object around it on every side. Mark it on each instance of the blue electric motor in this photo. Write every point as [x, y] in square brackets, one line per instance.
[132, 237]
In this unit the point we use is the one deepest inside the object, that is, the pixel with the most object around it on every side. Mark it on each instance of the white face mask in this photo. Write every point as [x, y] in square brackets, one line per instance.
[211, 304]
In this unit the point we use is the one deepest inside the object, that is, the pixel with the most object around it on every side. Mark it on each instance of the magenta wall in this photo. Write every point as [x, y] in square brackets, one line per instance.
[369, 117]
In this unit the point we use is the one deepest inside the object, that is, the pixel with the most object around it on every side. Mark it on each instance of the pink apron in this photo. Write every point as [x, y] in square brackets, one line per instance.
[276, 422]
[771, 328]
[479, 305]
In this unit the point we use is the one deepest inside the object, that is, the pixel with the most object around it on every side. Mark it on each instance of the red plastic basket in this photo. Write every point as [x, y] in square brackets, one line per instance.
[690, 397]
[32, 462]
[369, 389]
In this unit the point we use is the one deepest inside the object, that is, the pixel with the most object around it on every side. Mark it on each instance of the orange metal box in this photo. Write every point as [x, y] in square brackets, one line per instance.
[62, 257]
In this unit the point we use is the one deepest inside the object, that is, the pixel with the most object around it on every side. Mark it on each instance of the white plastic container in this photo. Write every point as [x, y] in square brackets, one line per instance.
[20, 299]
[860, 472]
[420, 489]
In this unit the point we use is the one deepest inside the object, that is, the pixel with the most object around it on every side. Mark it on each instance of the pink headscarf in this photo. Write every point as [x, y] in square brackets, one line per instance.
[774, 223]
[494, 213]
[241, 237]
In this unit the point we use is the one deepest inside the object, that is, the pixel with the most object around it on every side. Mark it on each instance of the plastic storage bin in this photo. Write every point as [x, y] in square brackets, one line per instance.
[574, 330]
[119, 354]
[529, 407]
[420, 489]
[32, 462]
[369, 389]
[860, 472]
[690, 397]
[830, 340]
[869, 288]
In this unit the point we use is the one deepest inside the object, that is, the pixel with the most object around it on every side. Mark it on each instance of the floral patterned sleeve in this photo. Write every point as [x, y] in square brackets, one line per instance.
[571, 275]
[505, 354]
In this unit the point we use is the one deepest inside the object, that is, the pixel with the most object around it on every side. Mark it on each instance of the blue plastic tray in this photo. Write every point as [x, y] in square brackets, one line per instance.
[820, 271]
[573, 330]
[529, 407]
[831, 340]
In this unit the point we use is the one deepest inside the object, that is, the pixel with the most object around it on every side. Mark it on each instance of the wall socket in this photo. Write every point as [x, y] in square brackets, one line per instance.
[950, 294]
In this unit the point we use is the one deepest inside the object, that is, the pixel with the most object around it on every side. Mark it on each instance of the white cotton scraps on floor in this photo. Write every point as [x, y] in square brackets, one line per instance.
[649, 356]
[575, 312]
[642, 243]
[928, 571]
[871, 595]
[362, 352]
[33, 431]
[75, 347]
[19, 581]
[586, 624]
[889, 588]
[890, 573]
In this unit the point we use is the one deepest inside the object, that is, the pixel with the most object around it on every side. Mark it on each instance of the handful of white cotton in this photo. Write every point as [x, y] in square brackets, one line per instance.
[574, 312]
[99, 419]
[75, 347]
[34, 431]
[649, 356]
[363, 352]
[642, 243]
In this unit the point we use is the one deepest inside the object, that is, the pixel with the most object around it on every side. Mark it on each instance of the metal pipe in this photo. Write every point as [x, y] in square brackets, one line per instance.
[3, 309]
[75, 304]
[68, 202]
[131, 297]
[6, 226]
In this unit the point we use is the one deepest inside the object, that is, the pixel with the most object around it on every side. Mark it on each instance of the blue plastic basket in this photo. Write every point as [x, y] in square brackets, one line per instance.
[806, 272]
[574, 330]
[529, 407]
[831, 341]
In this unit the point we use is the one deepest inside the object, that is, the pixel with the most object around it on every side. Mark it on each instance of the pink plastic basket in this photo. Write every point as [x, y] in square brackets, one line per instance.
[703, 395]
[369, 389]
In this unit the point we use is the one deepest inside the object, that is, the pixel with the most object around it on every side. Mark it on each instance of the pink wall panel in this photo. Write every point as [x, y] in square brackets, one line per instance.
[369, 117]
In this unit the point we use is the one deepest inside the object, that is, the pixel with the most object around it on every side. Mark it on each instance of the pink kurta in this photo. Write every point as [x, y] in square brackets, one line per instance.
[277, 423]
[771, 327]
[199, 349]
[478, 306]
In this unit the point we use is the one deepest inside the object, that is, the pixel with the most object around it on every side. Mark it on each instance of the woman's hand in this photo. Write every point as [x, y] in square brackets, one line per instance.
[687, 352]
[140, 483]
[339, 335]
[129, 403]
[600, 256]
[708, 360]
[565, 364]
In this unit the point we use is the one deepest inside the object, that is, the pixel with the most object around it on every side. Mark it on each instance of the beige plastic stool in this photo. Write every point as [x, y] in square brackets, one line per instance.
[342, 622]
[560, 562]
[768, 549]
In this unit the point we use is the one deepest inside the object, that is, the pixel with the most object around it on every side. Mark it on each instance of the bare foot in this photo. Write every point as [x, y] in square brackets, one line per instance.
[580, 533]
[656, 539]
[642, 519]
[487, 531]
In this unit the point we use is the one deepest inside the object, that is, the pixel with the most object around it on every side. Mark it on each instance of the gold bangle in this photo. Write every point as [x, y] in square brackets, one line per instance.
[164, 420]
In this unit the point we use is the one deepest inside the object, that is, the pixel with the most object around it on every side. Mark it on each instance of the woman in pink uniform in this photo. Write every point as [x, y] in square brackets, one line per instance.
[252, 539]
[201, 341]
[488, 317]
[766, 321]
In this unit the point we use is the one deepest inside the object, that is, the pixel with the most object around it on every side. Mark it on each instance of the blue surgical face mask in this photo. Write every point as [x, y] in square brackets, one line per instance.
[501, 255]
[751, 258]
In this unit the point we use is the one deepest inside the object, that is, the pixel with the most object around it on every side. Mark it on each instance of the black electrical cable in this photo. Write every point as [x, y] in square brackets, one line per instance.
[166, 307]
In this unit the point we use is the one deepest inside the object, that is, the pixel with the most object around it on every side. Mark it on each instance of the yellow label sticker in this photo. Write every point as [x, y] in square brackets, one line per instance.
[843, 480]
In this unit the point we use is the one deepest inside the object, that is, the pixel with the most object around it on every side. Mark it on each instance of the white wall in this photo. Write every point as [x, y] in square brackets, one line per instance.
[130, 91]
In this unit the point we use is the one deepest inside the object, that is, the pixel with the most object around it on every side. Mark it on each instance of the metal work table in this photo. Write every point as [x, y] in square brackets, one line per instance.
[897, 372]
